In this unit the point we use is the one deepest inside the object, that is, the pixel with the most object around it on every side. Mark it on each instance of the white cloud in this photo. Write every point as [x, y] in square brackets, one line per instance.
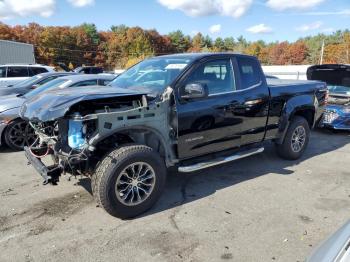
[214, 29]
[260, 29]
[81, 3]
[233, 8]
[309, 27]
[21, 8]
[282, 5]
[326, 13]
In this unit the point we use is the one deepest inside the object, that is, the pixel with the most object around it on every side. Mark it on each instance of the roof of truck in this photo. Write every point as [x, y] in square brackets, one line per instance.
[199, 55]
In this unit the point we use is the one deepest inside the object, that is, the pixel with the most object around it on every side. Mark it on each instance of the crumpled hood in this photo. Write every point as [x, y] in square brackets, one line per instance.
[10, 102]
[51, 105]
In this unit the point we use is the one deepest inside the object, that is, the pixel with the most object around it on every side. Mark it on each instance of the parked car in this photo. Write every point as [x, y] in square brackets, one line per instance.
[335, 249]
[337, 77]
[204, 110]
[25, 86]
[11, 74]
[14, 131]
[89, 70]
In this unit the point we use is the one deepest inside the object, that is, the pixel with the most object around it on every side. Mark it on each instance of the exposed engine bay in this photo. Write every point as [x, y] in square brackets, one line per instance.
[89, 129]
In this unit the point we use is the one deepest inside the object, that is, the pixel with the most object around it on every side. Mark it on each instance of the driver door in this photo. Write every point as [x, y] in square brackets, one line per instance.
[208, 124]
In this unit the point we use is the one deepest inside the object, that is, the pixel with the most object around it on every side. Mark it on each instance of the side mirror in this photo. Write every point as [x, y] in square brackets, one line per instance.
[34, 86]
[194, 91]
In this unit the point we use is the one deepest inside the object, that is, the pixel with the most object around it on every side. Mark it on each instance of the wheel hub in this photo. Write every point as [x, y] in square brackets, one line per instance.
[135, 183]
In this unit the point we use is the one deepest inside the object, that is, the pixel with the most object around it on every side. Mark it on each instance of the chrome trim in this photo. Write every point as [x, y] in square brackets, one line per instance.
[203, 165]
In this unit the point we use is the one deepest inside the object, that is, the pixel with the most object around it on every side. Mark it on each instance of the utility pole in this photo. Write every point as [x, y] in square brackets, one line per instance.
[322, 53]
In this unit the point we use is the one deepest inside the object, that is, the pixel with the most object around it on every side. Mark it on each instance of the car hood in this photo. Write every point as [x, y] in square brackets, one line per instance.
[52, 105]
[10, 102]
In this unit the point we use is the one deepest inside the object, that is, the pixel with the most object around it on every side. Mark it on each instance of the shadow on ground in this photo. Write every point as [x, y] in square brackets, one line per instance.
[183, 188]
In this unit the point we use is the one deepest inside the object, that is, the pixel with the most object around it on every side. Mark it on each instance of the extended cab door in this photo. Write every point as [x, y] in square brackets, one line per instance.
[233, 114]
[208, 124]
[254, 96]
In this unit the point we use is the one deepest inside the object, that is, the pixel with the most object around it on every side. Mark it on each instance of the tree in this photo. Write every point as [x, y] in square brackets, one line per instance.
[229, 43]
[91, 31]
[198, 42]
[180, 42]
[219, 45]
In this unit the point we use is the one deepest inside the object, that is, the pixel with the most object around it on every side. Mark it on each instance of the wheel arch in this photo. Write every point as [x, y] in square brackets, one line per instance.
[143, 135]
[304, 106]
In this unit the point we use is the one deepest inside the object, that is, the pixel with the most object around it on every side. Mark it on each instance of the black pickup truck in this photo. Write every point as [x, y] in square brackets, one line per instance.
[189, 111]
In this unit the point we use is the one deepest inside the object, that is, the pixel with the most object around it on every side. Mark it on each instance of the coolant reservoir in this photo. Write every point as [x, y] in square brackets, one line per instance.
[76, 138]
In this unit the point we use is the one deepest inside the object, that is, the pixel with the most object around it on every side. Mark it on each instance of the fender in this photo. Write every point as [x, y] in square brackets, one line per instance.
[290, 109]
[170, 156]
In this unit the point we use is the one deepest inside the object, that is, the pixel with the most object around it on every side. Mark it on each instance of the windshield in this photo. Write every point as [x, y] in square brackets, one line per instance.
[339, 89]
[151, 76]
[48, 86]
[27, 82]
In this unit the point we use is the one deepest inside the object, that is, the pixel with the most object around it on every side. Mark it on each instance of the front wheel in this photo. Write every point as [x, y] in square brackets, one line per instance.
[19, 134]
[129, 180]
[296, 139]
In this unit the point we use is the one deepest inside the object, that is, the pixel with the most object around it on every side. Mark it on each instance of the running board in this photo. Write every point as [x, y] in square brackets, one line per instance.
[222, 160]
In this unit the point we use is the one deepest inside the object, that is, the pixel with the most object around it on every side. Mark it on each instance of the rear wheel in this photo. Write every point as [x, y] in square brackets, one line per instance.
[19, 134]
[129, 181]
[296, 139]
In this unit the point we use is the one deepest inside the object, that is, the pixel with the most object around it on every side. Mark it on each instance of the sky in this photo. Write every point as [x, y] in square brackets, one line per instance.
[269, 20]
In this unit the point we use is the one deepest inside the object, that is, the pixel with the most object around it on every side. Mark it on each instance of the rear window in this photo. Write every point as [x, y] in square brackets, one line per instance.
[86, 83]
[3, 71]
[17, 71]
[96, 70]
[36, 70]
[250, 72]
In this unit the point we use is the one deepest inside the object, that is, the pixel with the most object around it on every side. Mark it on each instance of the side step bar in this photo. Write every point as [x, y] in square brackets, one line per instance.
[222, 160]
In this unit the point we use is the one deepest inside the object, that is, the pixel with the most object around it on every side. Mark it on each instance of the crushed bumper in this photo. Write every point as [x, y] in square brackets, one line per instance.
[50, 174]
[334, 117]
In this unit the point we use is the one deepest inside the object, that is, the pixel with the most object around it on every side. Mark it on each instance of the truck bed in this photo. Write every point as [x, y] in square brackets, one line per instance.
[282, 82]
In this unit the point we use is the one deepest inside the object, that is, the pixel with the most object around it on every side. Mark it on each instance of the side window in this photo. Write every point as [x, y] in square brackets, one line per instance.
[86, 70]
[250, 72]
[36, 70]
[17, 71]
[86, 83]
[3, 71]
[104, 82]
[96, 70]
[216, 75]
[44, 81]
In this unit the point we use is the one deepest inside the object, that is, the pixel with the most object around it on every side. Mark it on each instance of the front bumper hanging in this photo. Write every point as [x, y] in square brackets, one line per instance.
[50, 174]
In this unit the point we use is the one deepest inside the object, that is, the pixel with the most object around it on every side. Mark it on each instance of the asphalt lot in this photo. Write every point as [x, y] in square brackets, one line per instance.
[260, 208]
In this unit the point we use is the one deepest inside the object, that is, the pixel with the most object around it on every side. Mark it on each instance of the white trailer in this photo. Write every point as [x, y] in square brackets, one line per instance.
[16, 53]
[291, 72]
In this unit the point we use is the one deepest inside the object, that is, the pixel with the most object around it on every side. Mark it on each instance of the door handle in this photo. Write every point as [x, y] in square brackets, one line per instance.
[253, 102]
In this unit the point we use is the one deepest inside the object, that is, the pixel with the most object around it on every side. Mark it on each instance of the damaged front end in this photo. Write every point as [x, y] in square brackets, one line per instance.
[337, 113]
[78, 127]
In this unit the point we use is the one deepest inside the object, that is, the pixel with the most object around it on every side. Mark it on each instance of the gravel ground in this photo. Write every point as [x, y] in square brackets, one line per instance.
[260, 208]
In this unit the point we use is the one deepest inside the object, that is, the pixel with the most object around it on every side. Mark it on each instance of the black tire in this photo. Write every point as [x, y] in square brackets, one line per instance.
[286, 149]
[19, 134]
[109, 172]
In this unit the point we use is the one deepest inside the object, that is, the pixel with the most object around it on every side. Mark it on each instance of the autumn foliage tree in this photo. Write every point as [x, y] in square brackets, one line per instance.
[123, 46]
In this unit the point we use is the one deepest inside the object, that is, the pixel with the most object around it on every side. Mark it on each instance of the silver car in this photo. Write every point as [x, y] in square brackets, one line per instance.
[335, 249]
[15, 132]
[32, 83]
